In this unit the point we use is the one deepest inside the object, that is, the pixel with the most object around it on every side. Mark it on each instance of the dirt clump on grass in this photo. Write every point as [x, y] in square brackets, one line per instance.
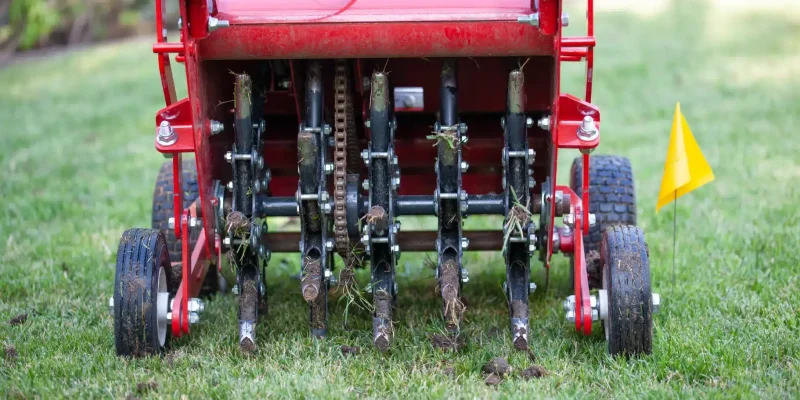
[247, 346]
[18, 320]
[493, 380]
[495, 370]
[534, 371]
[448, 342]
[144, 387]
[350, 350]
[11, 354]
[497, 366]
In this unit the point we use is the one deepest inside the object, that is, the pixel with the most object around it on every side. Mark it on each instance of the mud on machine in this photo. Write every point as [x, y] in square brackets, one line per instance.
[327, 111]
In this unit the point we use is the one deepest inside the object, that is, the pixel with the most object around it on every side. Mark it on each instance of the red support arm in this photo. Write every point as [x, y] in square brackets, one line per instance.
[583, 304]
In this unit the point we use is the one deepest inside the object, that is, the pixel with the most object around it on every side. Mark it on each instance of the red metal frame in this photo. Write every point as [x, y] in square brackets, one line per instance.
[487, 36]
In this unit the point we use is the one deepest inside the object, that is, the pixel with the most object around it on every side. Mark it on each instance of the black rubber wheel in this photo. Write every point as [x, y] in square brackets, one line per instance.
[612, 199]
[142, 293]
[626, 279]
[163, 210]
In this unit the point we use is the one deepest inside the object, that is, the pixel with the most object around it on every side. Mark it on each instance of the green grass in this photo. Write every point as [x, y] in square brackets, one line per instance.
[78, 168]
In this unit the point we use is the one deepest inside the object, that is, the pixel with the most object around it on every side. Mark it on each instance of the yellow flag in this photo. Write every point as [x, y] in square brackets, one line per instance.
[685, 169]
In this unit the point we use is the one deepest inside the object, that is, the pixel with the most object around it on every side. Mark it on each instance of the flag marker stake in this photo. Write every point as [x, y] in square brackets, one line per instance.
[674, 234]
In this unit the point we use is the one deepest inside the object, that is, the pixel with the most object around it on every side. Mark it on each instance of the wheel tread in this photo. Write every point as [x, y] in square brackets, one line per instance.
[626, 261]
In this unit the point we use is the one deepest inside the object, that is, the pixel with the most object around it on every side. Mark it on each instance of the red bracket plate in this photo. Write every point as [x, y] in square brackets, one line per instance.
[179, 116]
[571, 111]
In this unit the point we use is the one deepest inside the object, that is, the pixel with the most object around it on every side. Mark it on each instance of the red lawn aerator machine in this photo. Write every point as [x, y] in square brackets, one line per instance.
[292, 111]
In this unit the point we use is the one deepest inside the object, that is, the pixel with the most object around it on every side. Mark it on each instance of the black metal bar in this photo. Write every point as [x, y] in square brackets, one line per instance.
[381, 212]
[482, 204]
[243, 127]
[409, 241]
[517, 256]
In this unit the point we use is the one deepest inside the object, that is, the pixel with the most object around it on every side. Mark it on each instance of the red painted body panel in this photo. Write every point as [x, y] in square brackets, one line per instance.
[373, 40]
[333, 11]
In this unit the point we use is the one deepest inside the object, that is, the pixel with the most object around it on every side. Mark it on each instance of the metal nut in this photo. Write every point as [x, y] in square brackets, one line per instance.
[464, 243]
[228, 156]
[194, 318]
[569, 220]
[592, 219]
[464, 166]
[216, 127]
[544, 123]
[588, 130]
[171, 223]
[529, 122]
[571, 316]
[165, 135]
[196, 305]
[564, 19]
[329, 168]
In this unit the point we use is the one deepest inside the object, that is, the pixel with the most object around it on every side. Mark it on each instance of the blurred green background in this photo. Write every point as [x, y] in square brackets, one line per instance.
[78, 167]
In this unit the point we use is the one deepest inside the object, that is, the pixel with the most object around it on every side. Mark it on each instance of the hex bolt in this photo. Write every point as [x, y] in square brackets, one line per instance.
[529, 122]
[214, 24]
[229, 186]
[532, 19]
[194, 222]
[365, 184]
[531, 287]
[464, 275]
[329, 245]
[326, 129]
[193, 318]
[228, 156]
[365, 156]
[226, 242]
[326, 208]
[235, 289]
[531, 182]
[587, 131]
[544, 123]
[111, 305]
[570, 316]
[365, 238]
[395, 248]
[328, 274]
[171, 222]
[569, 303]
[592, 219]
[569, 220]
[165, 135]
[257, 186]
[464, 243]
[196, 305]
[531, 156]
[656, 303]
[464, 166]
[260, 162]
[564, 19]
[216, 127]
[367, 124]
[329, 168]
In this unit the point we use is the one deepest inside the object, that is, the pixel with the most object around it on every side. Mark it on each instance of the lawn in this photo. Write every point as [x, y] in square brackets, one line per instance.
[79, 165]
